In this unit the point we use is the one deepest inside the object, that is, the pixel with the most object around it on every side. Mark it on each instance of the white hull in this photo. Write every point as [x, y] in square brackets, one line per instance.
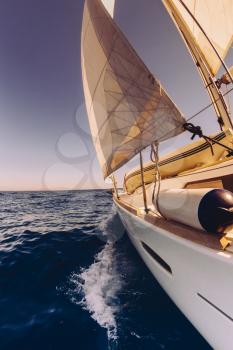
[201, 282]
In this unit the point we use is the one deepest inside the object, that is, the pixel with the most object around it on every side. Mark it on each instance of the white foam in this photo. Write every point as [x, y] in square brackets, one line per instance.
[99, 285]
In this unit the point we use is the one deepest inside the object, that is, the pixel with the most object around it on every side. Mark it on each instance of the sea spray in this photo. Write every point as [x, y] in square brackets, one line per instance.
[99, 285]
[111, 227]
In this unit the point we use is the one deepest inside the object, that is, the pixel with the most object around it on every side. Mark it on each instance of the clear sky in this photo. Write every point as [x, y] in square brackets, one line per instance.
[44, 136]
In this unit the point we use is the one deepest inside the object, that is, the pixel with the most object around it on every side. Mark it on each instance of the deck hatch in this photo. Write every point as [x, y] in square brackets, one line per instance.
[156, 257]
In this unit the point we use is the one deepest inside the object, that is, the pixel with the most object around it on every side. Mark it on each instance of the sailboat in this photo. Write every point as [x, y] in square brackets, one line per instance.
[177, 209]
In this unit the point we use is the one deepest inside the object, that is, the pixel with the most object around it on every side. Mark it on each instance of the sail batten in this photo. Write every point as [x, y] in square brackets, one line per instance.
[127, 107]
[210, 25]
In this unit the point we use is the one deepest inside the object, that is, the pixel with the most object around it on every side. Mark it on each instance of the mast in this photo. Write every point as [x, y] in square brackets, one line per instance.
[215, 94]
[208, 39]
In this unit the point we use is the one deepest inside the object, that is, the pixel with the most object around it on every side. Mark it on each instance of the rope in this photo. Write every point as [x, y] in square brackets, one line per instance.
[143, 184]
[194, 115]
[154, 156]
[228, 101]
[197, 131]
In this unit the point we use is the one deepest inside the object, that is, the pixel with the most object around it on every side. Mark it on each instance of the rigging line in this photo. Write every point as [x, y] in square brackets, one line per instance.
[194, 115]
[228, 101]
[209, 105]
[143, 184]
[211, 89]
[197, 131]
[155, 160]
[208, 39]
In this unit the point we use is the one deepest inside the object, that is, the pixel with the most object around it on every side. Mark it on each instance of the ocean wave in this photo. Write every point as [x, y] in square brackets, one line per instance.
[98, 286]
[43, 241]
[111, 227]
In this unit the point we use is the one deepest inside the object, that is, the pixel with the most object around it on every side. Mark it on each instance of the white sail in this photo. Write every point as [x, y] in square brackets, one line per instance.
[109, 5]
[216, 19]
[127, 107]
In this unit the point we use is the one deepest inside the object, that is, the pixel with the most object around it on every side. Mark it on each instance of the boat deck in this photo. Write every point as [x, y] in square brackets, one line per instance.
[206, 239]
[222, 173]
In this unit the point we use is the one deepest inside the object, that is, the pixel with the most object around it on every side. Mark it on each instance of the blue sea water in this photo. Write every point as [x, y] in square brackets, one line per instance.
[71, 279]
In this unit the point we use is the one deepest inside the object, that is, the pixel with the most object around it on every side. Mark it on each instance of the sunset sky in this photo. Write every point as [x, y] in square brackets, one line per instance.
[44, 136]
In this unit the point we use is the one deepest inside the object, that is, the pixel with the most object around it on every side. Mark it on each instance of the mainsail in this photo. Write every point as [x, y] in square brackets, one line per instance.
[127, 107]
[215, 17]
